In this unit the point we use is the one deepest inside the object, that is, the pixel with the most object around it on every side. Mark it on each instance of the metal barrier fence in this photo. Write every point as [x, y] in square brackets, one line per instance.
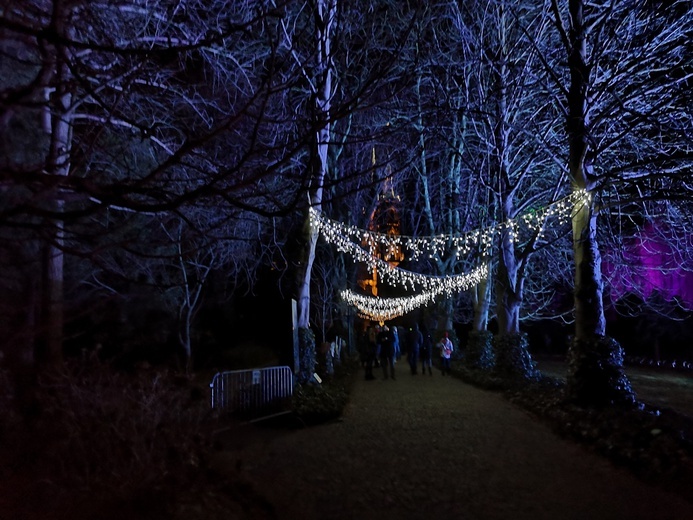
[253, 394]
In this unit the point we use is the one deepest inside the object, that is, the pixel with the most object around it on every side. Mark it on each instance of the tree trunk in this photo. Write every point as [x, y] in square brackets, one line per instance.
[595, 362]
[589, 308]
[311, 240]
[445, 310]
[512, 357]
[57, 164]
[185, 338]
[508, 288]
[323, 90]
[50, 346]
[508, 281]
[482, 304]
[479, 353]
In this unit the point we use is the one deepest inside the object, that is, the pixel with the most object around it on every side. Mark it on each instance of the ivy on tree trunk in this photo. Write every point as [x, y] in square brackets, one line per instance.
[479, 352]
[306, 346]
[513, 358]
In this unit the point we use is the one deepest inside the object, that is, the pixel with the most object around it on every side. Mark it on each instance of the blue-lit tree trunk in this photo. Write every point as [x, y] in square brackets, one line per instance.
[481, 301]
[58, 126]
[442, 211]
[595, 372]
[512, 357]
[509, 181]
[322, 90]
[479, 350]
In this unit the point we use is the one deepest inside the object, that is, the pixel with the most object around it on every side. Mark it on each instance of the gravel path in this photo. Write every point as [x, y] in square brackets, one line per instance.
[434, 446]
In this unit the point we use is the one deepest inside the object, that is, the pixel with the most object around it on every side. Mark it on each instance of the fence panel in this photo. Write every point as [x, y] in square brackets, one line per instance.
[253, 394]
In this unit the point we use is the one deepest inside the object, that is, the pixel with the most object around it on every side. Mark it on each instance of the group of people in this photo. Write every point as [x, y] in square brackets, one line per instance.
[382, 347]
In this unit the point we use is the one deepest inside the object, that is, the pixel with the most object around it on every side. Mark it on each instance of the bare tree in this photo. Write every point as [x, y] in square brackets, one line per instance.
[144, 109]
[626, 110]
[492, 162]
[196, 257]
[322, 91]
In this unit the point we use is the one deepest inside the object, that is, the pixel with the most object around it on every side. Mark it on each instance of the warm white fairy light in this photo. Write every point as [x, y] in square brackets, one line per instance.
[396, 276]
[479, 239]
[349, 238]
[383, 309]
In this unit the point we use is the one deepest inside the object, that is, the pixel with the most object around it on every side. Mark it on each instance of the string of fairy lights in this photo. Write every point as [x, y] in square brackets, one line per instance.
[349, 239]
[478, 239]
[396, 276]
[383, 309]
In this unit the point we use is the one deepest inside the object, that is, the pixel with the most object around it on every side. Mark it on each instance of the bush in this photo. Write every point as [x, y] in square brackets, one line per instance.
[306, 346]
[595, 373]
[98, 428]
[479, 352]
[513, 358]
[319, 403]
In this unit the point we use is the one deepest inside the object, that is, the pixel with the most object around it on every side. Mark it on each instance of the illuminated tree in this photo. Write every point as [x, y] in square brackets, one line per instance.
[432, 110]
[134, 107]
[484, 119]
[627, 108]
[321, 90]
[511, 121]
[349, 66]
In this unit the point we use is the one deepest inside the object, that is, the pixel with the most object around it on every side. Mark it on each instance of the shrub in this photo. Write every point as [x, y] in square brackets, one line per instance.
[306, 345]
[479, 353]
[319, 403]
[595, 373]
[513, 358]
[98, 428]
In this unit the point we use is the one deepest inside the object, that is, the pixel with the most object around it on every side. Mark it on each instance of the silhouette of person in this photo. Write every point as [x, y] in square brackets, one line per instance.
[387, 351]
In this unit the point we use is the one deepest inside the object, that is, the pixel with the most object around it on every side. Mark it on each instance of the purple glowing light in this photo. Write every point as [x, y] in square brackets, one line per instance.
[655, 261]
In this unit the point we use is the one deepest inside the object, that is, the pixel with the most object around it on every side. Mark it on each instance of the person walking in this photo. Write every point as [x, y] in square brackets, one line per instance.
[387, 351]
[396, 343]
[445, 353]
[376, 335]
[426, 352]
[414, 342]
[370, 349]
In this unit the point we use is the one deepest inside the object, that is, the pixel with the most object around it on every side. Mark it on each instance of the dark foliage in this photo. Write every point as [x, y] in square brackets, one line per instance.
[306, 346]
[513, 358]
[479, 353]
[319, 403]
[95, 428]
[315, 404]
[595, 373]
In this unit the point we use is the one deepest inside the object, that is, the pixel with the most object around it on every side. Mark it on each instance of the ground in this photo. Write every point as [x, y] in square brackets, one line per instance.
[657, 386]
[411, 448]
[432, 446]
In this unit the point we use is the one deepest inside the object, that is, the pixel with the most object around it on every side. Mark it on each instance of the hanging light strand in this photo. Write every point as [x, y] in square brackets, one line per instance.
[397, 276]
[348, 238]
[561, 210]
[383, 309]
